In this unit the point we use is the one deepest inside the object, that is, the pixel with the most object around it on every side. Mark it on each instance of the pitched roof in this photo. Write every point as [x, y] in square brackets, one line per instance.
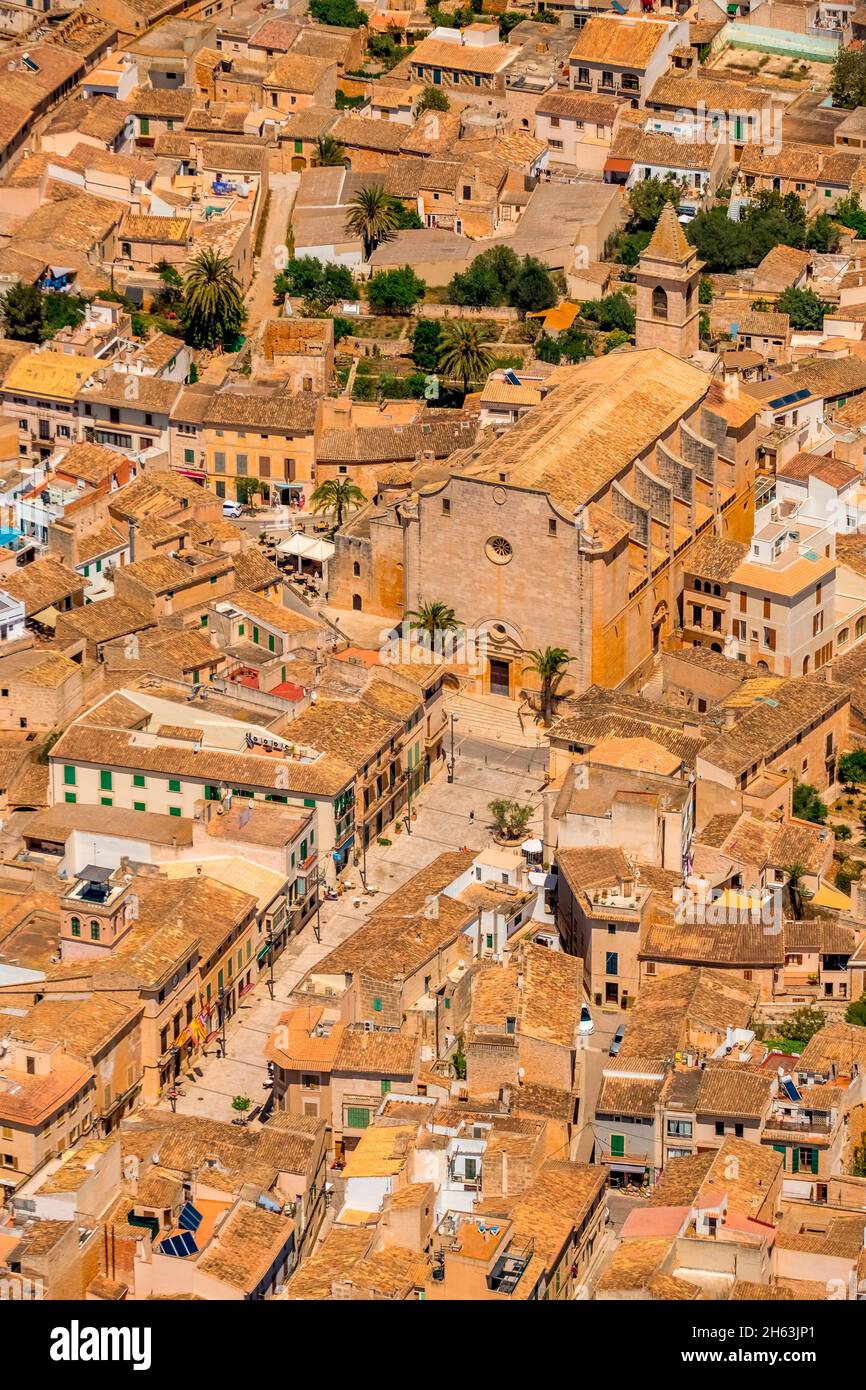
[668, 241]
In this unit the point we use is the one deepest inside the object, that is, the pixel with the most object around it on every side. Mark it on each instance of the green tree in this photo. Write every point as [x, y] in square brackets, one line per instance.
[797, 892]
[851, 767]
[406, 219]
[805, 310]
[241, 1105]
[395, 291]
[486, 282]
[62, 311]
[803, 1024]
[550, 666]
[426, 338]
[306, 277]
[336, 496]
[648, 196]
[575, 344]
[856, 1012]
[822, 234]
[705, 290]
[510, 817]
[850, 213]
[372, 217]
[23, 317]
[630, 246]
[808, 804]
[720, 243]
[848, 79]
[613, 311]
[432, 619]
[532, 288]
[548, 349]
[213, 306]
[463, 355]
[343, 13]
[433, 99]
[615, 339]
[329, 152]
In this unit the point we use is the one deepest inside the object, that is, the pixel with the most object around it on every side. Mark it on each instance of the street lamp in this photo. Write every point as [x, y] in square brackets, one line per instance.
[451, 759]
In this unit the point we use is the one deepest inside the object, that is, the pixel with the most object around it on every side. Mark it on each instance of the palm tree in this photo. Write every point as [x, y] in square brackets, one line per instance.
[432, 618]
[462, 354]
[329, 152]
[213, 307]
[550, 667]
[335, 496]
[794, 875]
[372, 216]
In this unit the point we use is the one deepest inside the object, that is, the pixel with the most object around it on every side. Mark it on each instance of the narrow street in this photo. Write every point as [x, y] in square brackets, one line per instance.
[260, 295]
[444, 822]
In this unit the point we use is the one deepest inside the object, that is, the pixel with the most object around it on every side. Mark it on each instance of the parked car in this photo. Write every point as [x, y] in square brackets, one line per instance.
[232, 509]
[586, 1023]
[616, 1040]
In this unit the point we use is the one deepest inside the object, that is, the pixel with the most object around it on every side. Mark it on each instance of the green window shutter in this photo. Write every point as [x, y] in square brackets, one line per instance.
[303, 849]
[241, 629]
[795, 1159]
[204, 619]
[69, 777]
[86, 571]
[144, 125]
[617, 1145]
[189, 456]
[299, 147]
[309, 801]
[70, 798]
[255, 634]
[220, 980]
[195, 677]
[173, 784]
[106, 801]
[815, 1156]
[357, 1117]
[138, 806]
[448, 1002]
[105, 781]
[386, 1085]
[780, 1149]
[175, 811]
[377, 1006]
[138, 780]
[272, 642]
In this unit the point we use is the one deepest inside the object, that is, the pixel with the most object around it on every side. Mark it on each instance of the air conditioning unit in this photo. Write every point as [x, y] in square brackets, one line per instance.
[369, 1025]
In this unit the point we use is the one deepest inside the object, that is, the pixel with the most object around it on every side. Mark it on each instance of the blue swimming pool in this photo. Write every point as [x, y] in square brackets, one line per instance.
[8, 535]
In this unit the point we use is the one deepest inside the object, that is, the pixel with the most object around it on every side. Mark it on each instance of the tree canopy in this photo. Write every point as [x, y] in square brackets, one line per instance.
[309, 278]
[805, 310]
[614, 311]
[499, 277]
[342, 13]
[848, 79]
[395, 291]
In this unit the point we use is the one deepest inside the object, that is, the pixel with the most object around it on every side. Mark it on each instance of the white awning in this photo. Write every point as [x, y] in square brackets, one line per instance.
[297, 544]
[532, 847]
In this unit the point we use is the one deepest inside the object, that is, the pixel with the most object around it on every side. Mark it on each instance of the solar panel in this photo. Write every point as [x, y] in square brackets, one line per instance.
[180, 1245]
[801, 395]
[774, 405]
[790, 1089]
[190, 1219]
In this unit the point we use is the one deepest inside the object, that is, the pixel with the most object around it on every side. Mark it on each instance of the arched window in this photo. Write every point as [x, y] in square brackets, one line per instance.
[660, 303]
[860, 629]
[356, 568]
[843, 636]
[95, 930]
[75, 925]
[717, 590]
[356, 602]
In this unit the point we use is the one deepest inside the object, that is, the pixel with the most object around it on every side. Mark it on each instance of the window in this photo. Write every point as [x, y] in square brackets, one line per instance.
[551, 527]
[70, 798]
[69, 776]
[611, 963]
[105, 781]
[660, 303]
[767, 608]
[377, 1003]
[75, 926]
[95, 930]
[720, 1127]
[446, 506]
[106, 801]
[173, 784]
[357, 1117]
[138, 806]
[386, 1085]
[138, 780]
[617, 1145]
[682, 1129]
[175, 811]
